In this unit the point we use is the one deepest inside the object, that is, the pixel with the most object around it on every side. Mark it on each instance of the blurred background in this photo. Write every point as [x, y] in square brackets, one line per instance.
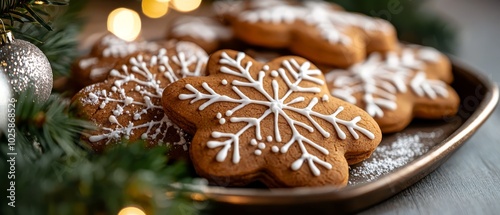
[467, 29]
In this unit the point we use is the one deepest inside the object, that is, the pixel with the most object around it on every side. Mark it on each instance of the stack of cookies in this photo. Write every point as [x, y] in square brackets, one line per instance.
[310, 91]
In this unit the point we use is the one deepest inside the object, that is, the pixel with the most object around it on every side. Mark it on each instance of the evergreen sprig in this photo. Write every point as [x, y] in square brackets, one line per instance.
[47, 127]
[56, 175]
[26, 11]
[127, 175]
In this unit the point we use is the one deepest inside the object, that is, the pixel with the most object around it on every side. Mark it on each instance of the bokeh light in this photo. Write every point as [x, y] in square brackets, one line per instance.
[186, 5]
[131, 211]
[124, 23]
[155, 8]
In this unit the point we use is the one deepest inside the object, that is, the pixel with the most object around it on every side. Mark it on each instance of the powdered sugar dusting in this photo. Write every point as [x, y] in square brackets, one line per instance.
[386, 158]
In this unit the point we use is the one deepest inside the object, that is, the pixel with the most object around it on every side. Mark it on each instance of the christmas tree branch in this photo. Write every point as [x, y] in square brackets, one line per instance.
[24, 9]
[56, 175]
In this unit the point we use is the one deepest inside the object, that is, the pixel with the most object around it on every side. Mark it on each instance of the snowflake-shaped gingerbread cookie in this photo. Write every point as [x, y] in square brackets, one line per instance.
[316, 30]
[206, 32]
[398, 86]
[275, 122]
[105, 53]
[128, 104]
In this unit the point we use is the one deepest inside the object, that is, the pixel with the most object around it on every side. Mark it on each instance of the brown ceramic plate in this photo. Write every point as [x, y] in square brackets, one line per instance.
[401, 160]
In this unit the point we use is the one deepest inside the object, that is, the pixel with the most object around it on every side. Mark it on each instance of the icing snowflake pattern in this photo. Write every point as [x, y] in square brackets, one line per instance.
[201, 28]
[329, 22]
[379, 80]
[279, 105]
[144, 76]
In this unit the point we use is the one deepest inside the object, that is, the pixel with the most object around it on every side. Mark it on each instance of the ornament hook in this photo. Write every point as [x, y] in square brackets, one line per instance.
[6, 37]
[3, 26]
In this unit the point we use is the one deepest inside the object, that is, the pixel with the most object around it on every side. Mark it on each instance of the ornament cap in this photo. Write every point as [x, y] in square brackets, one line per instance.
[6, 37]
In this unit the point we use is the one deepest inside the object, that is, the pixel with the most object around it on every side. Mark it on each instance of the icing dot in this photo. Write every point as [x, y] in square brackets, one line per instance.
[325, 98]
[274, 73]
[137, 88]
[128, 100]
[253, 142]
[275, 149]
[265, 67]
[144, 136]
[257, 152]
[262, 146]
[224, 82]
[229, 113]
[112, 119]
[222, 121]
[114, 89]
[269, 138]
[93, 97]
[219, 115]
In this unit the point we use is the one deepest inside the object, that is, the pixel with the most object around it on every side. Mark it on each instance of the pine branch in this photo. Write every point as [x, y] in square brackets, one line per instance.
[27, 9]
[55, 175]
[127, 175]
[47, 127]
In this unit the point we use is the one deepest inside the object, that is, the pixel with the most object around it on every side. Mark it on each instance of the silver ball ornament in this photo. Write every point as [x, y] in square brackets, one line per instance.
[5, 96]
[26, 67]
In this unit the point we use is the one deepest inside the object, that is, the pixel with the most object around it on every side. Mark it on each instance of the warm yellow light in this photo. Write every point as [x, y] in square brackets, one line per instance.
[186, 5]
[154, 8]
[124, 23]
[131, 211]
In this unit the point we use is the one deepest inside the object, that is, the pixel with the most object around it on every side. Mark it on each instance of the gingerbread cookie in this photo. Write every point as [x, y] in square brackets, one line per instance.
[207, 33]
[316, 30]
[274, 122]
[398, 86]
[96, 66]
[229, 9]
[127, 105]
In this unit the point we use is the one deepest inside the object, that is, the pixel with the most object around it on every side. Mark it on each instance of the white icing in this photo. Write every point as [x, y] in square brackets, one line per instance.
[200, 28]
[276, 15]
[118, 48]
[275, 149]
[269, 138]
[253, 142]
[325, 98]
[379, 80]
[430, 88]
[87, 62]
[98, 72]
[222, 121]
[279, 105]
[228, 7]
[224, 82]
[258, 152]
[138, 74]
[329, 22]
[274, 73]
